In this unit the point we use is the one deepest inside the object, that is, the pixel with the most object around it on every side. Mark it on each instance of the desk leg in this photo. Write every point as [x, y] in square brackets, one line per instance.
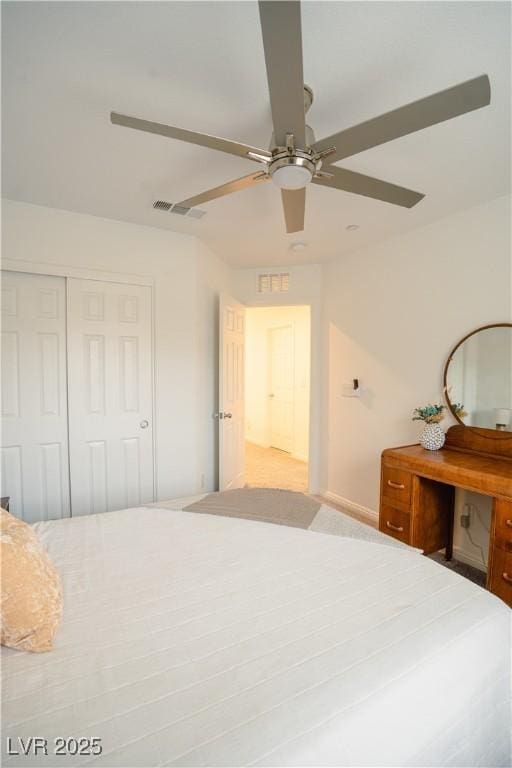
[449, 532]
[432, 516]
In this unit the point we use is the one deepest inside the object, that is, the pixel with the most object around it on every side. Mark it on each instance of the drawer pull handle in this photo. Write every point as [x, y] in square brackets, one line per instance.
[392, 484]
[397, 528]
[508, 523]
[506, 577]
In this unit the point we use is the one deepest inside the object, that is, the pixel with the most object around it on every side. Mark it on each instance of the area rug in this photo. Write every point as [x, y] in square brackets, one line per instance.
[266, 505]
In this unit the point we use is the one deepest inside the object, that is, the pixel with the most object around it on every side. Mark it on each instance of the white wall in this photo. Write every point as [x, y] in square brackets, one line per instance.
[259, 321]
[392, 314]
[186, 277]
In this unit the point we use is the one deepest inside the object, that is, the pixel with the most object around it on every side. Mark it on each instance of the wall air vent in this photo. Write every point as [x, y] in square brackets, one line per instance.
[180, 210]
[278, 282]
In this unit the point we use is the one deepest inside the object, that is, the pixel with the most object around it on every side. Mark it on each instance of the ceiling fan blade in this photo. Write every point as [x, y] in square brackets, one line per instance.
[202, 139]
[225, 189]
[282, 43]
[358, 184]
[431, 110]
[294, 206]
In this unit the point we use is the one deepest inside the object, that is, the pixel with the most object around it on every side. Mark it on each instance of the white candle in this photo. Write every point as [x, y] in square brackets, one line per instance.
[502, 417]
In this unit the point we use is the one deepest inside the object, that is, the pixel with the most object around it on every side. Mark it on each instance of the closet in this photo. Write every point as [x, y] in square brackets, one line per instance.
[77, 395]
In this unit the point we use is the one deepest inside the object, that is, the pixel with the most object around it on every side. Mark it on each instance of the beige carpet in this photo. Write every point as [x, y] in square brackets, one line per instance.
[270, 468]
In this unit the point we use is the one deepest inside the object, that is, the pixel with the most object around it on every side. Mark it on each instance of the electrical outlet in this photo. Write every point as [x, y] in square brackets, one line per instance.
[465, 519]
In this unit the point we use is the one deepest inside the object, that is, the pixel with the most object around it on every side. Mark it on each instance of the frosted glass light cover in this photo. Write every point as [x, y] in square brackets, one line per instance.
[291, 177]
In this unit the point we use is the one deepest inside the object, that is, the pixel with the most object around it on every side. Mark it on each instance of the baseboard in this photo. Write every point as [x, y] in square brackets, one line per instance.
[256, 442]
[464, 557]
[351, 506]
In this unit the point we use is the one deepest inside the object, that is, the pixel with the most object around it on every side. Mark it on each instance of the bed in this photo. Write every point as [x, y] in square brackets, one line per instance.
[204, 640]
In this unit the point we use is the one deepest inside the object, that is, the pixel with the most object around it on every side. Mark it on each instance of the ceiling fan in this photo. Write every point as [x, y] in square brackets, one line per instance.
[295, 157]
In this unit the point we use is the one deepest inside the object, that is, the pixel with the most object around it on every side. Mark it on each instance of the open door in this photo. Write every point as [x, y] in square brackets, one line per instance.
[231, 394]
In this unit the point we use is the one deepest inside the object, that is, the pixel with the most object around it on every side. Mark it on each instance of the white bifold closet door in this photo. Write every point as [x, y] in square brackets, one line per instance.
[110, 395]
[34, 405]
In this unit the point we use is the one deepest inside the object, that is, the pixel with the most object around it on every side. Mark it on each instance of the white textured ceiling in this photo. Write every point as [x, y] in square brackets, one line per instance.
[200, 66]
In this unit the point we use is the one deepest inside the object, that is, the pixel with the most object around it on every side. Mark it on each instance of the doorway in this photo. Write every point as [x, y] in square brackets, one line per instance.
[277, 397]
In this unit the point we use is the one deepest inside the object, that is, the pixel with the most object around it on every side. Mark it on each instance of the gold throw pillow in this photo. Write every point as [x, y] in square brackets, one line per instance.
[31, 588]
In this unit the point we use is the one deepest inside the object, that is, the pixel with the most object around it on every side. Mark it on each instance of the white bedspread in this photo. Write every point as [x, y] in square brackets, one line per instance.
[200, 640]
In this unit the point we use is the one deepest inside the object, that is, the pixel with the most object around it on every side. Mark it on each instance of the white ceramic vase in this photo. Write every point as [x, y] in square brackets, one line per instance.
[432, 438]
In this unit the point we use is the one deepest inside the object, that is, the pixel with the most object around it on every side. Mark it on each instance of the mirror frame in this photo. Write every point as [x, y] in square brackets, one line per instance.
[498, 433]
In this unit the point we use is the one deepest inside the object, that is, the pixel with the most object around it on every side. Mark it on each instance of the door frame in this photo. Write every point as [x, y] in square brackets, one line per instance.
[61, 270]
[315, 483]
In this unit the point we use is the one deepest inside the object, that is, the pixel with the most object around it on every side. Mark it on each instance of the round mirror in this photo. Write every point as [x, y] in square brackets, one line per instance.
[478, 378]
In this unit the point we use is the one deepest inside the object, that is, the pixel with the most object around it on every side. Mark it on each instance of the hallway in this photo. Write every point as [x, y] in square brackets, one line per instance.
[271, 468]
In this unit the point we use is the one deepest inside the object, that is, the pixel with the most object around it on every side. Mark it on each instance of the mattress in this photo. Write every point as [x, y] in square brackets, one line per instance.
[199, 640]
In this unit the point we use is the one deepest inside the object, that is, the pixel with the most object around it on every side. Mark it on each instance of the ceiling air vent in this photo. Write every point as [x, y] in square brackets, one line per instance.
[162, 205]
[180, 210]
[274, 283]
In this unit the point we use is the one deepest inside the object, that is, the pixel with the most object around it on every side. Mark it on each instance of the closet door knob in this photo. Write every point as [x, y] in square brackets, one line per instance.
[144, 424]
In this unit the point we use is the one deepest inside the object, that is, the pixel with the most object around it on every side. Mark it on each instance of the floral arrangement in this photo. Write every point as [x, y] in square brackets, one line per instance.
[458, 410]
[432, 414]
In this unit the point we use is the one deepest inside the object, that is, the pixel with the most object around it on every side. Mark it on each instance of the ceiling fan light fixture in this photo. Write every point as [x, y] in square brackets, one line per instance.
[291, 177]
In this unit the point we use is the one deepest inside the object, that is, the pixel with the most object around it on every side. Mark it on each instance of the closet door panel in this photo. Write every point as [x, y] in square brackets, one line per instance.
[34, 399]
[110, 400]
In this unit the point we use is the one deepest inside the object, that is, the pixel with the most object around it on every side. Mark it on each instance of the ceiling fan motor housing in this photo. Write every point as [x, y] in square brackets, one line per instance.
[292, 168]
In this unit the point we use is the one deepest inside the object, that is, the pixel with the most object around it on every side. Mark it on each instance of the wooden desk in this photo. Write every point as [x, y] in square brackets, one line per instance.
[418, 491]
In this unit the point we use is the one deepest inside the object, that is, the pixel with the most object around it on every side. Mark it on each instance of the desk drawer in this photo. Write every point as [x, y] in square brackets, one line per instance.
[396, 487]
[500, 580]
[395, 523]
[503, 522]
